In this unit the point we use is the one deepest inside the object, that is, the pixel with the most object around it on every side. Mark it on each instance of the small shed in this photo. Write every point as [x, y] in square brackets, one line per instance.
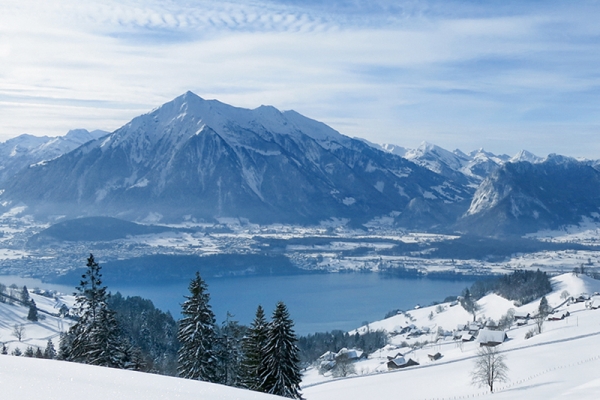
[401, 362]
[435, 357]
[488, 337]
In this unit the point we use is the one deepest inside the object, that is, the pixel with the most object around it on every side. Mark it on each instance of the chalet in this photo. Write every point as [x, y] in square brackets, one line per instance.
[593, 303]
[327, 356]
[467, 337]
[401, 362]
[352, 354]
[408, 329]
[487, 337]
[435, 357]
[558, 315]
[583, 297]
[523, 315]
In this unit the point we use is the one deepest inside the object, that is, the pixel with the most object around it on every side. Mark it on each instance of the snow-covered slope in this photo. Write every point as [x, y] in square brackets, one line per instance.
[561, 362]
[36, 334]
[60, 380]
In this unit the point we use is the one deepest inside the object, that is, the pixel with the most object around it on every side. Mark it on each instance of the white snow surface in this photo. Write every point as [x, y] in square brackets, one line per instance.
[54, 380]
[560, 363]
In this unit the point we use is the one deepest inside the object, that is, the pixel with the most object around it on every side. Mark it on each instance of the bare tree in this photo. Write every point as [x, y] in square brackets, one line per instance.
[490, 368]
[343, 366]
[19, 331]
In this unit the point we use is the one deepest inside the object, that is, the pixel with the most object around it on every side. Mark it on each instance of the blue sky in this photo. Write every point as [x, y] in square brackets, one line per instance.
[502, 75]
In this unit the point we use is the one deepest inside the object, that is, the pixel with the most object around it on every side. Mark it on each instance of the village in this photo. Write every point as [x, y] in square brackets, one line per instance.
[447, 334]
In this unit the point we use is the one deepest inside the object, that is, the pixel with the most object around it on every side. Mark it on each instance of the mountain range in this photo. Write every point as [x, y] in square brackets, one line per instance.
[201, 160]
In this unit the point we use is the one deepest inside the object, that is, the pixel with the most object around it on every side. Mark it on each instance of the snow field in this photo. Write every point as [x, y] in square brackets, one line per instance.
[61, 380]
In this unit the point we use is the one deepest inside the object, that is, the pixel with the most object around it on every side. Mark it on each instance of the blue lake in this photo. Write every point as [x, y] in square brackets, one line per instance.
[317, 303]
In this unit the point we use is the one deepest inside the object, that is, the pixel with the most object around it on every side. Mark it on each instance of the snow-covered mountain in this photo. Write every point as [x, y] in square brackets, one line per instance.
[472, 167]
[24, 150]
[196, 158]
[524, 197]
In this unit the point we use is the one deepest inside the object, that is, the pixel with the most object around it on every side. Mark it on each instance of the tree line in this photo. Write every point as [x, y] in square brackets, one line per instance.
[129, 333]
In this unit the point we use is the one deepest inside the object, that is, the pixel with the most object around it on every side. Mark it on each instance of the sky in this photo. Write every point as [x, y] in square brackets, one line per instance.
[467, 74]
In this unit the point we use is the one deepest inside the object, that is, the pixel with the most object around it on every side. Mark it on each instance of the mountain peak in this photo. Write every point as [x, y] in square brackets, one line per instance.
[525, 155]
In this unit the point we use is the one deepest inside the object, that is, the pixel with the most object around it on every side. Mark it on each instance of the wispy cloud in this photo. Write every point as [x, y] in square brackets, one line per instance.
[501, 75]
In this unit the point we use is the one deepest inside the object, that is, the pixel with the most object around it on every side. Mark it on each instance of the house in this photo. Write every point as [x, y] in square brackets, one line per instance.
[583, 297]
[559, 315]
[352, 354]
[593, 303]
[327, 356]
[398, 355]
[467, 337]
[522, 315]
[434, 357]
[487, 337]
[401, 362]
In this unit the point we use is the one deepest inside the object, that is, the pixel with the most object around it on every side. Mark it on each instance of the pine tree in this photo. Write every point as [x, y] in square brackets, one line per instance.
[252, 347]
[25, 295]
[32, 315]
[64, 346]
[105, 346]
[50, 352]
[282, 375]
[38, 353]
[29, 352]
[196, 334]
[95, 337]
[229, 352]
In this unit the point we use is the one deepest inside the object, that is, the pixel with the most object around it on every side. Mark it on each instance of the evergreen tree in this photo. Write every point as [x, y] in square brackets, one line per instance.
[29, 352]
[32, 315]
[104, 344]
[229, 352]
[196, 334]
[253, 349]
[25, 295]
[95, 337]
[50, 352]
[281, 375]
[64, 346]
[38, 353]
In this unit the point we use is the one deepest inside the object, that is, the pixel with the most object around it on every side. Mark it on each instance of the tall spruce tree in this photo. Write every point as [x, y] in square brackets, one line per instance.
[32, 315]
[229, 351]
[196, 334]
[50, 351]
[281, 375]
[253, 350]
[95, 337]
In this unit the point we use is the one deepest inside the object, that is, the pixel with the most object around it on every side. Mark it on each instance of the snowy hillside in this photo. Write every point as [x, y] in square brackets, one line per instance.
[54, 380]
[35, 334]
[561, 362]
